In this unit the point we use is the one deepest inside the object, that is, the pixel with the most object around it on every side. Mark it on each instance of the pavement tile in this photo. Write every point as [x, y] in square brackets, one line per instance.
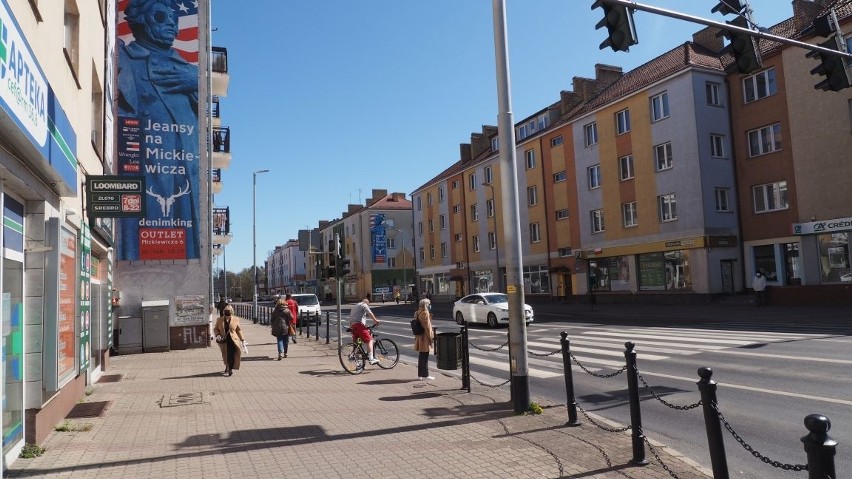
[303, 417]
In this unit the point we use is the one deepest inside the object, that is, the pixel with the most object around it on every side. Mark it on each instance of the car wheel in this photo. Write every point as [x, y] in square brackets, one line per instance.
[459, 318]
[492, 320]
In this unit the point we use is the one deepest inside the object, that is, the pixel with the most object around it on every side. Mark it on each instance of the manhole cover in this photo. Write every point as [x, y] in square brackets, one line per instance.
[88, 409]
[110, 378]
[183, 399]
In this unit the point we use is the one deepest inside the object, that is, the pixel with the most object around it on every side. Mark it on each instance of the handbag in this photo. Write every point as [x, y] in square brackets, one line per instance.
[291, 329]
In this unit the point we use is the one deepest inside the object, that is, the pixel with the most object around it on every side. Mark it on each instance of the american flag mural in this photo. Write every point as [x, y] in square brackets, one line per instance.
[186, 42]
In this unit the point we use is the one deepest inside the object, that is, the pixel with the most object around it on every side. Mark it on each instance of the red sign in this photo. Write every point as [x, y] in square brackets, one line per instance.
[162, 243]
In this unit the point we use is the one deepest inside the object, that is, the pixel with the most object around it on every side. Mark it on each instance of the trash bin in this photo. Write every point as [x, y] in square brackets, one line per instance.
[448, 349]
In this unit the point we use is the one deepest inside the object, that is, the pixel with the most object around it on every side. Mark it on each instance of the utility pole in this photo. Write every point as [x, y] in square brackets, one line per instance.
[337, 285]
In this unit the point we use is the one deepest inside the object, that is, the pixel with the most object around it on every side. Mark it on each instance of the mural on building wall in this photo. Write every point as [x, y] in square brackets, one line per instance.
[157, 130]
[378, 238]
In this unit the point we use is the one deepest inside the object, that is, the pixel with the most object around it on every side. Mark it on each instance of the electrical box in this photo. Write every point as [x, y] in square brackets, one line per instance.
[155, 325]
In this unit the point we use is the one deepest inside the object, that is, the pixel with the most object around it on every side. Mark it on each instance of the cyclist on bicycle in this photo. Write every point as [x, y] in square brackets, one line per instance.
[358, 324]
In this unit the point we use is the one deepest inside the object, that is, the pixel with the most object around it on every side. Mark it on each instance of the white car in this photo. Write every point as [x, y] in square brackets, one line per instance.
[489, 308]
[309, 306]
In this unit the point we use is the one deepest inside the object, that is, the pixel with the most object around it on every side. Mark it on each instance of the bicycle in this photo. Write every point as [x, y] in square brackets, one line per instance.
[353, 355]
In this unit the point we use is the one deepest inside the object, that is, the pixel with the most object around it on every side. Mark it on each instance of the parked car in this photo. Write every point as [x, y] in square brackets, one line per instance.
[489, 308]
[309, 306]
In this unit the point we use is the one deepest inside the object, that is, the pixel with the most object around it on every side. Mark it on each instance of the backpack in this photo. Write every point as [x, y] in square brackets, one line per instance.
[416, 327]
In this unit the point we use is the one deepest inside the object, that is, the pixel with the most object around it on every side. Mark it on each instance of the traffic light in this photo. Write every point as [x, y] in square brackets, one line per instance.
[833, 67]
[743, 47]
[345, 269]
[728, 6]
[618, 21]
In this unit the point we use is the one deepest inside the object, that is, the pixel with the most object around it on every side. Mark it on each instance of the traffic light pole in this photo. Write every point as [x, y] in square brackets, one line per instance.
[726, 26]
[337, 287]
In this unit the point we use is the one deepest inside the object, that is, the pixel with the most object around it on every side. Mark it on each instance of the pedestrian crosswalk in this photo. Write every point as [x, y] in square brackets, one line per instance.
[601, 347]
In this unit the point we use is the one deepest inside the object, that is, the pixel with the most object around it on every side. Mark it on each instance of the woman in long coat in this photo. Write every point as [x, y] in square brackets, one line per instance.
[280, 322]
[228, 326]
[423, 342]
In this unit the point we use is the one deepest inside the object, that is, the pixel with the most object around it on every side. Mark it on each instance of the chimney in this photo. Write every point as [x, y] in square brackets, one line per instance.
[707, 38]
[568, 100]
[464, 153]
[605, 75]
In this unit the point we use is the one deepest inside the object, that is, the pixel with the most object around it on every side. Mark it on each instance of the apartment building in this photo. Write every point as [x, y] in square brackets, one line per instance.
[792, 145]
[286, 269]
[375, 239]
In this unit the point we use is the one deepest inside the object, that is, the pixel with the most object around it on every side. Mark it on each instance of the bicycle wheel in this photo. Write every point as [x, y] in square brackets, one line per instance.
[351, 358]
[386, 352]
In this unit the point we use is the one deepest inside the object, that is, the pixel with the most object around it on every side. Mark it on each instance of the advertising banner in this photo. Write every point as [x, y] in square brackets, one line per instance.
[221, 221]
[189, 310]
[157, 129]
[378, 238]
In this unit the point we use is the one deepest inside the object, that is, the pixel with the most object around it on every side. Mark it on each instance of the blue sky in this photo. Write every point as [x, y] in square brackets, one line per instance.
[339, 97]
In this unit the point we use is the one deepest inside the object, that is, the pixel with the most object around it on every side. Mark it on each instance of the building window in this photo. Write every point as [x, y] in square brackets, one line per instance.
[420, 228]
[455, 184]
[594, 174]
[492, 241]
[440, 194]
[764, 140]
[667, 207]
[529, 155]
[429, 199]
[457, 208]
[419, 203]
[443, 220]
[565, 252]
[488, 174]
[717, 146]
[495, 143]
[475, 241]
[663, 156]
[474, 212]
[458, 237]
[625, 167]
[628, 213]
[532, 196]
[770, 197]
[489, 208]
[431, 226]
[431, 251]
[562, 214]
[391, 262]
[591, 132]
[97, 113]
[622, 122]
[759, 86]
[597, 221]
[443, 250]
[556, 141]
[659, 106]
[422, 254]
[471, 182]
[71, 45]
[714, 98]
[834, 257]
[722, 203]
[560, 176]
[535, 233]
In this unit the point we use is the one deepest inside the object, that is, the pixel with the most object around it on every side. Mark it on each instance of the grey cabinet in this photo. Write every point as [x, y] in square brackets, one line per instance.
[155, 325]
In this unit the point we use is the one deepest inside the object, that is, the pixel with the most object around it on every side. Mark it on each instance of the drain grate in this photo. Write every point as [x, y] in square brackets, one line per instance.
[88, 409]
[110, 378]
[184, 399]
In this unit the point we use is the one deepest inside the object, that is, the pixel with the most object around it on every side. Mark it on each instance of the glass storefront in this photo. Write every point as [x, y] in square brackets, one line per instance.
[764, 260]
[483, 281]
[13, 323]
[665, 271]
[536, 280]
[834, 257]
[792, 264]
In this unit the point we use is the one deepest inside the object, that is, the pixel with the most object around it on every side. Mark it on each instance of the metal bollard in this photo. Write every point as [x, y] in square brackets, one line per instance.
[465, 358]
[635, 412]
[715, 440]
[327, 321]
[319, 320]
[301, 322]
[820, 447]
[569, 380]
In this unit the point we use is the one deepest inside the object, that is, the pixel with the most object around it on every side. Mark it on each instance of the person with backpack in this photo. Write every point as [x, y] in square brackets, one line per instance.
[423, 341]
[280, 322]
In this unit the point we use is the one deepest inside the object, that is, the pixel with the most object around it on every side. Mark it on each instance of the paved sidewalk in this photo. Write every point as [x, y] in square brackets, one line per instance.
[173, 415]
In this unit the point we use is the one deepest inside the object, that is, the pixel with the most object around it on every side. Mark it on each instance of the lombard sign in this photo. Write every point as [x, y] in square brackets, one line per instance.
[827, 226]
[26, 97]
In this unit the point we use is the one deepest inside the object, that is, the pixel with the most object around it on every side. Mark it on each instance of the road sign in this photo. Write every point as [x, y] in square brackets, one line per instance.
[115, 196]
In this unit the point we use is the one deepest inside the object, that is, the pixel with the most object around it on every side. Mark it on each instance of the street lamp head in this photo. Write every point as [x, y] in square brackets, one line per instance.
[261, 171]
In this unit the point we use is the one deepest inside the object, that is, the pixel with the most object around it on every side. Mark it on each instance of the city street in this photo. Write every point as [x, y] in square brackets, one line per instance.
[774, 366]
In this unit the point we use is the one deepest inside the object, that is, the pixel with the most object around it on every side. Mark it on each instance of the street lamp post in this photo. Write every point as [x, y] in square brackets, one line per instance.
[254, 240]
[404, 293]
[496, 243]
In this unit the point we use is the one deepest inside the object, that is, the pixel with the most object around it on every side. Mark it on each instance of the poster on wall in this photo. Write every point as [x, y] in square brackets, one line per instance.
[85, 306]
[66, 320]
[189, 310]
[157, 126]
[378, 238]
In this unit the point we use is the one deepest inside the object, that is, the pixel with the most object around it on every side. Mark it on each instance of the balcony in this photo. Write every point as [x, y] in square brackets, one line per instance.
[218, 250]
[214, 112]
[221, 147]
[220, 76]
[221, 226]
[217, 181]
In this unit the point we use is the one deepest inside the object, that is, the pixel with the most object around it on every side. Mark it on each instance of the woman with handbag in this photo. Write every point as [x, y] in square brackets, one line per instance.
[228, 333]
[281, 323]
[423, 342]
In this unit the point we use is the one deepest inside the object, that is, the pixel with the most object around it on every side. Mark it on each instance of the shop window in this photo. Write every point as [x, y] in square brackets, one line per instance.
[834, 257]
[670, 271]
[792, 264]
[599, 274]
[483, 281]
[536, 280]
[764, 260]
